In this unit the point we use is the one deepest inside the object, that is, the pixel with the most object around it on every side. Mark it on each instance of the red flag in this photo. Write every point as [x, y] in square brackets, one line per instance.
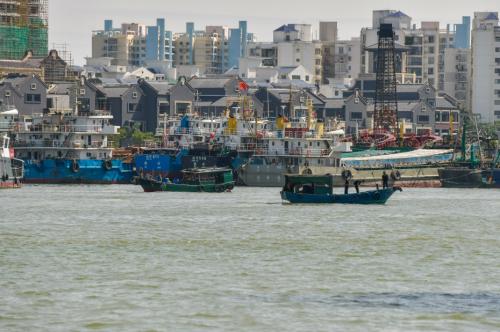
[244, 86]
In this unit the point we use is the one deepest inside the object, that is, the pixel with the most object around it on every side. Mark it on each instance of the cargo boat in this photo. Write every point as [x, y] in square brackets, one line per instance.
[62, 148]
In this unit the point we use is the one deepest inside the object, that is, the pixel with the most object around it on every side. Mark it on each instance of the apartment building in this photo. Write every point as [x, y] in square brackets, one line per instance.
[133, 44]
[485, 81]
[292, 46]
[420, 51]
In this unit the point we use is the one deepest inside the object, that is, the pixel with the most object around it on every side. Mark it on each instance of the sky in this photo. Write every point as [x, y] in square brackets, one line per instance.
[71, 22]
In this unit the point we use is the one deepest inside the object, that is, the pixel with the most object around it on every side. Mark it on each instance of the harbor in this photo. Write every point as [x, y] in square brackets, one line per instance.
[177, 167]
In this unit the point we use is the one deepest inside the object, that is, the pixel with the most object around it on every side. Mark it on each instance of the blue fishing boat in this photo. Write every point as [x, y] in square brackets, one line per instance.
[310, 189]
[67, 148]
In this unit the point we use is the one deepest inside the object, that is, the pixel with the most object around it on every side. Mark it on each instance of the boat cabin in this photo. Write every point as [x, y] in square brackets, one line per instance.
[207, 176]
[309, 184]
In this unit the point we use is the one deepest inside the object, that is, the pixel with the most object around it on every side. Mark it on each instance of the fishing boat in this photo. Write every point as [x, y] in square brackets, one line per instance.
[193, 180]
[314, 189]
[59, 147]
[11, 169]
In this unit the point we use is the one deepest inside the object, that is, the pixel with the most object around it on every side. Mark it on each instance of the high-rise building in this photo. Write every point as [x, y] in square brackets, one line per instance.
[485, 91]
[420, 52]
[133, 44]
[213, 50]
[23, 27]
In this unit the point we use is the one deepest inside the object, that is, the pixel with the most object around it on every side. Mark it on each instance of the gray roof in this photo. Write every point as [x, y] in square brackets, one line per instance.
[162, 88]
[208, 83]
[29, 63]
[443, 103]
[334, 103]
[114, 91]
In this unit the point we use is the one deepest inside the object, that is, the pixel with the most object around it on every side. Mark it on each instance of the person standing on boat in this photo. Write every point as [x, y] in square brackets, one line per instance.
[385, 180]
[356, 185]
[346, 187]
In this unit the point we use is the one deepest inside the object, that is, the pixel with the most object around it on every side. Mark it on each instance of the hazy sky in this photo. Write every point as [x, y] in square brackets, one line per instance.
[72, 21]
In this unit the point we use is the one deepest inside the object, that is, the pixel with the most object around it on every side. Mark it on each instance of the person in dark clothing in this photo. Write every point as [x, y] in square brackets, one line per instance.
[385, 180]
[356, 185]
[346, 187]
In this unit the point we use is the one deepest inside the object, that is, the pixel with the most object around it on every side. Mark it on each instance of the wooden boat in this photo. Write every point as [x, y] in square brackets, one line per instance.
[193, 180]
[310, 189]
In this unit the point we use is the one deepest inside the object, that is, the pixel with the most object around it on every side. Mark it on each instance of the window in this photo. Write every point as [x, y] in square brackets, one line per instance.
[82, 92]
[134, 94]
[356, 116]
[132, 107]
[431, 39]
[33, 86]
[430, 71]
[307, 78]
[298, 60]
[7, 93]
[497, 49]
[423, 118]
[431, 49]
[33, 98]
[295, 77]
[318, 62]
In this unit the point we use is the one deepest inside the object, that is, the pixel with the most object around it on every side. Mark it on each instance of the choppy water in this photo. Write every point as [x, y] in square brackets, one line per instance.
[111, 258]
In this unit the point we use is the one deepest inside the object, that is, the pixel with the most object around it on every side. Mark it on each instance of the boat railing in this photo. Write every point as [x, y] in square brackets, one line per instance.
[44, 128]
[48, 143]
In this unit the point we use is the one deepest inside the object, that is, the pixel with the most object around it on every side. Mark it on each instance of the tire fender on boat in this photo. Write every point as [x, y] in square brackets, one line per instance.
[75, 166]
[107, 165]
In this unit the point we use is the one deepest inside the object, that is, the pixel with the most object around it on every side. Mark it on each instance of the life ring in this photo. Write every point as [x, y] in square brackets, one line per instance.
[107, 165]
[346, 174]
[307, 171]
[75, 166]
[396, 175]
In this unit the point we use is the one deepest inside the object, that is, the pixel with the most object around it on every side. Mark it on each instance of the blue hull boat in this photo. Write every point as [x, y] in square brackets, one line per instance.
[368, 197]
[66, 171]
[314, 189]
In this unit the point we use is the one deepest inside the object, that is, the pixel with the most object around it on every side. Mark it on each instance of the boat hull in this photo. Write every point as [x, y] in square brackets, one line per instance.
[89, 172]
[463, 177]
[367, 197]
[156, 186]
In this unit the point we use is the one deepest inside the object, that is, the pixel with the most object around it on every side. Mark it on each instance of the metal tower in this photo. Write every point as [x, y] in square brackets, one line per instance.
[386, 101]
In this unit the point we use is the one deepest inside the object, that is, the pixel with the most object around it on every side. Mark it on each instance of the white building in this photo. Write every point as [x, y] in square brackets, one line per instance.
[485, 98]
[292, 46]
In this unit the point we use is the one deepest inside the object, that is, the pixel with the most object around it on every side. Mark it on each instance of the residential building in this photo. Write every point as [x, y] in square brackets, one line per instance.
[328, 38]
[292, 46]
[419, 51]
[347, 61]
[28, 94]
[457, 63]
[213, 50]
[133, 44]
[485, 98]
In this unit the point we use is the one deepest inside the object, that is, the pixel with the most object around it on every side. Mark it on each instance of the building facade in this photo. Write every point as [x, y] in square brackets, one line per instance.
[485, 91]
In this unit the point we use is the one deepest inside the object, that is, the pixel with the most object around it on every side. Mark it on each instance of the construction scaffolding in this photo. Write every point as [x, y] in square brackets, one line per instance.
[23, 27]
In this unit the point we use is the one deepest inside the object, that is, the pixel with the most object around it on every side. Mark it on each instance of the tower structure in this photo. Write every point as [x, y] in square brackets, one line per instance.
[386, 101]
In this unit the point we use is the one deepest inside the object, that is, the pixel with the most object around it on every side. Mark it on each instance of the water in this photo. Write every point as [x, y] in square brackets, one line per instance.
[111, 258]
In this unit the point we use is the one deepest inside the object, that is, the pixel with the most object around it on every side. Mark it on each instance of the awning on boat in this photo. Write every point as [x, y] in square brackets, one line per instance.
[416, 157]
